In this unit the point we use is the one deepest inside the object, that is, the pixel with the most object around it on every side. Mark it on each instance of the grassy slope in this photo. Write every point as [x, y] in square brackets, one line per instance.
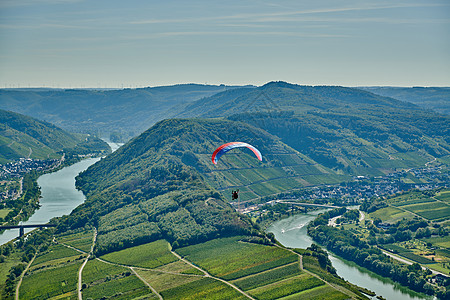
[23, 136]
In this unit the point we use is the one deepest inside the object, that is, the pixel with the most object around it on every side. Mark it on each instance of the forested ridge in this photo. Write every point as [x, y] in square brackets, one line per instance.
[23, 136]
[153, 187]
[350, 130]
[125, 113]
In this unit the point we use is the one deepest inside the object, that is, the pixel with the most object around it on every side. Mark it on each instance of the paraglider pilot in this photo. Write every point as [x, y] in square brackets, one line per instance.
[234, 195]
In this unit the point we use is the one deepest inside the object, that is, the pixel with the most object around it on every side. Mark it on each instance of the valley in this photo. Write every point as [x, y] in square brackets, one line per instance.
[159, 194]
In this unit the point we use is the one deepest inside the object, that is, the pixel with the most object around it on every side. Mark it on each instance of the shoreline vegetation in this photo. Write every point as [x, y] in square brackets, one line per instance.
[26, 201]
[350, 246]
[314, 259]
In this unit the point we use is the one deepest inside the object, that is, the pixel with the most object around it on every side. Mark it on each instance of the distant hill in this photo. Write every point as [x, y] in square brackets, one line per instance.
[348, 130]
[162, 184]
[23, 136]
[435, 98]
[127, 112]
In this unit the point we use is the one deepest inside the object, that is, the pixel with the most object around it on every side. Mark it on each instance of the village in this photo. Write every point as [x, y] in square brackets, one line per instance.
[25, 165]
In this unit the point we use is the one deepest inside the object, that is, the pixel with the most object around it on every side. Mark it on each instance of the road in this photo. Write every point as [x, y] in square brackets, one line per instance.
[80, 281]
[408, 262]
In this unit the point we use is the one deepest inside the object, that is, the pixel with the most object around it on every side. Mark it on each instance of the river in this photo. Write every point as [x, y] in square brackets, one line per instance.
[59, 195]
[291, 232]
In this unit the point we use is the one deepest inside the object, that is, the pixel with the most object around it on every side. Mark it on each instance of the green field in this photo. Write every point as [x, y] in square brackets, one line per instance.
[416, 258]
[81, 240]
[391, 214]
[324, 292]
[129, 287]
[51, 283]
[286, 287]
[267, 277]
[96, 271]
[165, 281]
[443, 196]
[206, 288]
[56, 252]
[430, 210]
[179, 267]
[420, 204]
[4, 212]
[230, 259]
[443, 242]
[149, 255]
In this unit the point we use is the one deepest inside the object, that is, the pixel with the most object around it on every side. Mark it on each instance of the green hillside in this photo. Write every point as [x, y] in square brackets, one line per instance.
[23, 136]
[435, 98]
[127, 112]
[163, 184]
[347, 130]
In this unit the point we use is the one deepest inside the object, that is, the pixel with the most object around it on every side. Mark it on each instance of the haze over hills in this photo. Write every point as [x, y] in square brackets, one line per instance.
[348, 130]
[127, 111]
[24, 137]
[435, 98]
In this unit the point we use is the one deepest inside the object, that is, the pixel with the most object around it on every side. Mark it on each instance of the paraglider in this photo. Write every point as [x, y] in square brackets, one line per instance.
[228, 146]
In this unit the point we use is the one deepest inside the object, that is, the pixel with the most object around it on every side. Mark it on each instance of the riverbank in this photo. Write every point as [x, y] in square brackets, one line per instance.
[292, 232]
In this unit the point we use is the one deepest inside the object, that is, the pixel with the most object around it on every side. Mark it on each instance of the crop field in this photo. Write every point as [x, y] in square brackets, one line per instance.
[128, 287]
[82, 240]
[12, 260]
[417, 258]
[179, 267]
[410, 201]
[324, 179]
[443, 242]
[290, 159]
[4, 212]
[391, 214]
[149, 255]
[96, 270]
[51, 283]
[412, 159]
[267, 277]
[246, 175]
[286, 287]
[164, 281]
[419, 204]
[230, 259]
[430, 210]
[306, 170]
[323, 292]
[264, 189]
[268, 173]
[55, 253]
[286, 183]
[444, 196]
[206, 288]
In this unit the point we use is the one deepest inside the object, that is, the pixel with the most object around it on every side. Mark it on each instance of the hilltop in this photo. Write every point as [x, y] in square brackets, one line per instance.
[348, 130]
[435, 98]
[24, 137]
[165, 181]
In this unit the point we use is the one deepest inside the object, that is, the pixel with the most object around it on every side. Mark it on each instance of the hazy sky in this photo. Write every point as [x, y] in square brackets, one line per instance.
[109, 43]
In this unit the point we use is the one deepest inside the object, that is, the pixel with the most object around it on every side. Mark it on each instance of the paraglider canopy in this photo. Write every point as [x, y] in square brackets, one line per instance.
[228, 146]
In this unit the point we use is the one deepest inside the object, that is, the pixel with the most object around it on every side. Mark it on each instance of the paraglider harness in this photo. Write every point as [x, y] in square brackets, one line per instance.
[234, 195]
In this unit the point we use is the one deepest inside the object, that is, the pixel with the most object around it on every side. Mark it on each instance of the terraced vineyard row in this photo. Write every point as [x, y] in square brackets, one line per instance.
[223, 268]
